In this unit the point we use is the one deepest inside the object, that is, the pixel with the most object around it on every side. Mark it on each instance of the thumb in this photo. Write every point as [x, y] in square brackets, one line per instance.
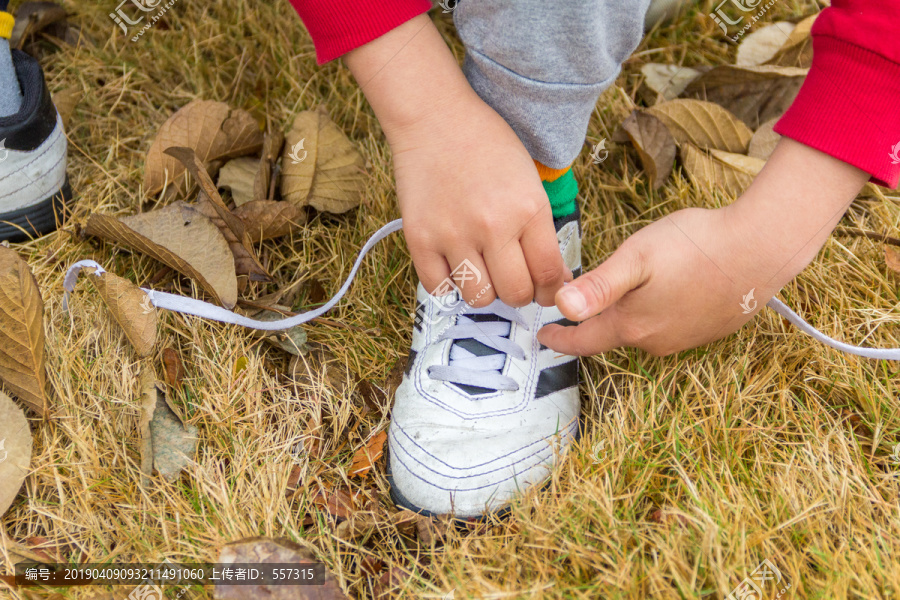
[597, 290]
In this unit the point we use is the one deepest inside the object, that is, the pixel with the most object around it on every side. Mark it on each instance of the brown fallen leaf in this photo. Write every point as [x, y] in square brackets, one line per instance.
[167, 444]
[357, 526]
[275, 551]
[431, 530]
[339, 502]
[892, 258]
[65, 101]
[390, 582]
[174, 369]
[22, 361]
[717, 170]
[130, 306]
[267, 219]
[210, 204]
[667, 81]
[15, 451]
[752, 94]
[764, 141]
[238, 176]
[761, 45]
[654, 143]
[320, 165]
[293, 340]
[32, 18]
[365, 458]
[180, 237]
[797, 50]
[703, 124]
[266, 176]
[212, 129]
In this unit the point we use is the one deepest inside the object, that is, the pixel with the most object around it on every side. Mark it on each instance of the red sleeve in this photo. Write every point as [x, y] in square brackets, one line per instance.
[849, 105]
[338, 26]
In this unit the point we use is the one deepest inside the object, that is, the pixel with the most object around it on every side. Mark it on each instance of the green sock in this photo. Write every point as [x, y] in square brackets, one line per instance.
[562, 193]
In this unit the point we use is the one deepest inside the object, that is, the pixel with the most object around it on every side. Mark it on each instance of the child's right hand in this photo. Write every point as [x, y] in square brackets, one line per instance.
[468, 189]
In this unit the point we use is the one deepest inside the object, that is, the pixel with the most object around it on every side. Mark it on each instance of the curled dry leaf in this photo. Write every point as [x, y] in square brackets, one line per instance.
[892, 258]
[320, 166]
[210, 204]
[237, 176]
[761, 45]
[667, 81]
[654, 144]
[22, 361]
[174, 368]
[703, 124]
[261, 550]
[266, 176]
[797, 50]
[365, 458]
[267, 219]
[213, 129]
[718, 170]
[32, 18]
[180, 237]
[15, 451]
[167, 444]
[130, 306]
[752, 94]
[764, 141]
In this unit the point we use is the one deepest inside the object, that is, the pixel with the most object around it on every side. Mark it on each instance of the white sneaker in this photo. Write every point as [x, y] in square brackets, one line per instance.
[33, 183]
[484, 411]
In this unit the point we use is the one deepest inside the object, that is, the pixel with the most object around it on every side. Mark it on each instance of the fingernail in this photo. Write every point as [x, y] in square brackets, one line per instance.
[573, 300]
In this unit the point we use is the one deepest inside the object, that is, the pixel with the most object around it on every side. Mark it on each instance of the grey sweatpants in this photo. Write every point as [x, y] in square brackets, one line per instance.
[542, 64]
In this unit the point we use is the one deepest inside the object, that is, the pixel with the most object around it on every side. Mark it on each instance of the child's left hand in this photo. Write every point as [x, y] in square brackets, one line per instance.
[681, 282]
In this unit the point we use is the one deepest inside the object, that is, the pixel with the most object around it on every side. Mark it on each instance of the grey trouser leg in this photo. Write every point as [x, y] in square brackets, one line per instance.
[542, 64]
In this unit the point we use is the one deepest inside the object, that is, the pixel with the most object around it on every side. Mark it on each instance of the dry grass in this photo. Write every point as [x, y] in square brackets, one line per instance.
[764, 445]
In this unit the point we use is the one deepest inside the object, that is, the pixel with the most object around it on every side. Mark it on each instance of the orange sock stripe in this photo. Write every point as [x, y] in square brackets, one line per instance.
[548, 174]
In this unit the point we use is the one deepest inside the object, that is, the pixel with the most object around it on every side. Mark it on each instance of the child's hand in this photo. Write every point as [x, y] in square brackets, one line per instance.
[680, 282]
[468, 189]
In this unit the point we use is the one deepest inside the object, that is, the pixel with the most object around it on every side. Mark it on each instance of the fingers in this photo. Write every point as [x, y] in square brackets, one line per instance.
[432, 269]
[545, 263]
[470, 275]
[509, 274]
[593, 336]
[599, 289]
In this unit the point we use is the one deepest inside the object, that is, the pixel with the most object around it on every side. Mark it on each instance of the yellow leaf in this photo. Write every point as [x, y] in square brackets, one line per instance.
[181, 238]
[15, 451]
[213, 129]
[321, 167]
[131, 308]
[703, 124]
[728, 172]
[22, 362]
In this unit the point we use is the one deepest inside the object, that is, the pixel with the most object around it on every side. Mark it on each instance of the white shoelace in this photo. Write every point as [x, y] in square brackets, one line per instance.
[464, 367]
[467, 368]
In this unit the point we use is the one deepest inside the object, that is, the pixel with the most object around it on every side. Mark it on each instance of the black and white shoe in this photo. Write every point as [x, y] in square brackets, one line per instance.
[34, 188]
[484, 411]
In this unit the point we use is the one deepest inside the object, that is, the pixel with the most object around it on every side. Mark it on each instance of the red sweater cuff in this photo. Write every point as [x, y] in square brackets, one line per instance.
[848, 108]
[339, 26]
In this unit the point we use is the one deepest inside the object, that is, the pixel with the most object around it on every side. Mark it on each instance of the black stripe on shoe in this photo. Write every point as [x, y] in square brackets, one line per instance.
[564, 322]
[554, 379]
